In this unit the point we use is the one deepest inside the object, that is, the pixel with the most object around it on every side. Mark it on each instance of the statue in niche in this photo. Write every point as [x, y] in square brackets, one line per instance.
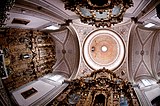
[73, 99]
[27, 41]
[25, 56]
[123, 101]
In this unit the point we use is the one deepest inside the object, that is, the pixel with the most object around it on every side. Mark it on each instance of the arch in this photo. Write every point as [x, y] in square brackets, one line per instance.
[155, 53]
[99, 100]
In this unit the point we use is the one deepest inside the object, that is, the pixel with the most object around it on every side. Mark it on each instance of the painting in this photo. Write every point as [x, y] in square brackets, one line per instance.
[29, 93]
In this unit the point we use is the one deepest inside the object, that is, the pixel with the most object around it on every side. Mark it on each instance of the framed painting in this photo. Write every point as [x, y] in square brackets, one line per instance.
[28, 93]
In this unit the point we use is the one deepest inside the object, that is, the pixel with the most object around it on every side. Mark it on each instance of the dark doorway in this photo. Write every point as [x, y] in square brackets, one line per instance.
[99, 100]
[156, 101]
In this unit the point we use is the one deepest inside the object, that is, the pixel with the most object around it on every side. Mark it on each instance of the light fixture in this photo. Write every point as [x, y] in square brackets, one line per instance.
[99, 12]
[149, 25]
[52, 27]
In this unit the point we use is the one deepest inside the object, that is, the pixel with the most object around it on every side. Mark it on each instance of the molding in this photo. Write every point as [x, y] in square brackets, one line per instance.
[38, 9]
[50, 7]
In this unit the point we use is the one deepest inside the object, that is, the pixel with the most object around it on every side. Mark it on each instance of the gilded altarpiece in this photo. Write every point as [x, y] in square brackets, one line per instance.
[28, 55]
[100, 88]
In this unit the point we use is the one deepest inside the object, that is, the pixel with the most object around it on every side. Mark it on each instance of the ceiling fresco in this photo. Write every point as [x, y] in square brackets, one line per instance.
[84, 31]
[103, 48]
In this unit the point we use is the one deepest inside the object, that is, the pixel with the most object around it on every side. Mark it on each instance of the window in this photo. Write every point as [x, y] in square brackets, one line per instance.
[146, 82]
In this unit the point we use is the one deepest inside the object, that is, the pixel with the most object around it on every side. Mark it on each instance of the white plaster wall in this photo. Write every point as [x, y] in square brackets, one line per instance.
[39, 85]
[151, 94]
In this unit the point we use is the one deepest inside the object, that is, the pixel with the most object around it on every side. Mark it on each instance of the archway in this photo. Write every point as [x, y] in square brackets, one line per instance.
[99, 100]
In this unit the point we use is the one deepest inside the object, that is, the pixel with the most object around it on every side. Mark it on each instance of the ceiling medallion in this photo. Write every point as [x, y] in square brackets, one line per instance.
[103, 48]
[99, 12]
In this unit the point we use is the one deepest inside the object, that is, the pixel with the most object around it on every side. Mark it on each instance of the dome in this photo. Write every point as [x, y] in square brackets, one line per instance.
[103, 48]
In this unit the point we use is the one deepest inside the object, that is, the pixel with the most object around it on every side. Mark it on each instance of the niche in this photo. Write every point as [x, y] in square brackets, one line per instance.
[99, 100]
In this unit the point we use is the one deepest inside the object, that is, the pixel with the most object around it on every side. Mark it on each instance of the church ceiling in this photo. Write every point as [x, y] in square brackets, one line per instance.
[42, 13]
[143, 53]
[83, 33]
[141, 45]
[53, 12]
[67, 52]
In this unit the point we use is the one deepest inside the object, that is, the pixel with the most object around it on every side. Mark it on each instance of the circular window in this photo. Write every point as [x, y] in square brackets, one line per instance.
[103, 48]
